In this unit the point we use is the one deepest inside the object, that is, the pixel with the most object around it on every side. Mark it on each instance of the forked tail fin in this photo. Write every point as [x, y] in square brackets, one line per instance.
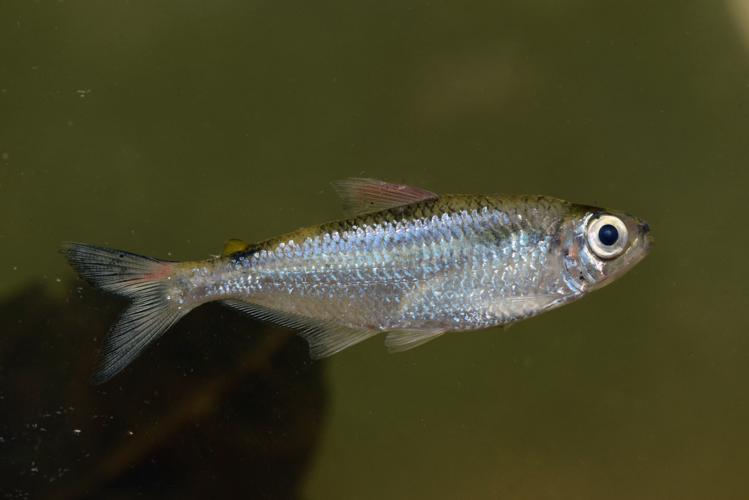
[144, 281]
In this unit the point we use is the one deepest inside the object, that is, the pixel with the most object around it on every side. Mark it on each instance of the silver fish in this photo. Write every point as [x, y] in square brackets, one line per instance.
[408, 262]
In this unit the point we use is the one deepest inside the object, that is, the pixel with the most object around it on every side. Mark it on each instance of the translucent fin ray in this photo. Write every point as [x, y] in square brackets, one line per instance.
[361, 195]
[403, 340]
[142, 323]
[325, 338]
[142, 279]
[116, 271]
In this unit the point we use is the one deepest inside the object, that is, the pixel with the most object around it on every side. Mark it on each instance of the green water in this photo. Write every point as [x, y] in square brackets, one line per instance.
[166, 129]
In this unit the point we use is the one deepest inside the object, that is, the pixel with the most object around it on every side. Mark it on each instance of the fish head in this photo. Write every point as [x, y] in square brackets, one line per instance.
[600, 245]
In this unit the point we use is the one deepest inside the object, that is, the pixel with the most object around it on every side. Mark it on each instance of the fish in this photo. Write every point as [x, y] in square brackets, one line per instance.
[406, 262]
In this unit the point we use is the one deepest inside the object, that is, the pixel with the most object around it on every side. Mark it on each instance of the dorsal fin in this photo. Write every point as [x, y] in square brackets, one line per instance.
[234, 246]
[361, 195]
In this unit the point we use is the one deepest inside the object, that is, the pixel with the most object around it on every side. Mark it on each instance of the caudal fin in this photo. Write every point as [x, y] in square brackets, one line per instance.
[144, 281]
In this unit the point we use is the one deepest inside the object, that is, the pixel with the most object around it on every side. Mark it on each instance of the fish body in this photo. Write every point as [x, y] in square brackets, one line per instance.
[457, 263]
[410, 263]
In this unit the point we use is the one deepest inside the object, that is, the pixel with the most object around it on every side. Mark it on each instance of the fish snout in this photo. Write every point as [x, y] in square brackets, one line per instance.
[647, 237]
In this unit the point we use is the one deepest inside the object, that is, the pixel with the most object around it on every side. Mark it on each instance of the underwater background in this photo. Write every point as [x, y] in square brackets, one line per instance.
[167, 128]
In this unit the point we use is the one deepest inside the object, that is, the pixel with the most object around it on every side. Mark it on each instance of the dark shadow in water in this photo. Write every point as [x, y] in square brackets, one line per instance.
[220, 407]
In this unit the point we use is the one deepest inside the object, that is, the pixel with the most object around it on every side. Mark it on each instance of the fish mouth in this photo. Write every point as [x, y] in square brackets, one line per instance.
[638, 250]
[646, 236]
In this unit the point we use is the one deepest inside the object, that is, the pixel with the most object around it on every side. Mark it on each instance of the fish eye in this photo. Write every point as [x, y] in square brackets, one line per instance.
[607, 236]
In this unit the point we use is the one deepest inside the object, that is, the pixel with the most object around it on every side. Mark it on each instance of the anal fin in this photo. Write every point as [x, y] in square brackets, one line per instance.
[403, 340]
[325, 338]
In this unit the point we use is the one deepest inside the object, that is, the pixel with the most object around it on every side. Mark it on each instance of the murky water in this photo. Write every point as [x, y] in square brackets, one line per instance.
[167, 129]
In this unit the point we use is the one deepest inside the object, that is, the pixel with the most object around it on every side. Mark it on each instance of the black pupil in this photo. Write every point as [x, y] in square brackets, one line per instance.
[608, 235]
